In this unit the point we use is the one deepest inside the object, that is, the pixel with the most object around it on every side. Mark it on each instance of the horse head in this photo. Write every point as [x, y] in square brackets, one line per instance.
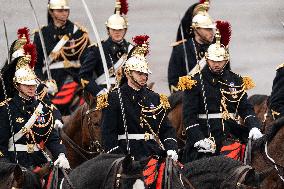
[131, 175]
[91, 130]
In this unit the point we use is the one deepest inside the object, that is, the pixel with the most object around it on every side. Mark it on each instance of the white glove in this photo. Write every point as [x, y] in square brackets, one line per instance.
[51, 87]
[172, 154]
[206, 146]
[62, 161]
[58, 124]
[255, 133]
[103, 91]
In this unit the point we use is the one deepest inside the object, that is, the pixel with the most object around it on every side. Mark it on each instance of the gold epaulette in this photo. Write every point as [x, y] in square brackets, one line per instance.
[280, 66]
[177, 42]
[165, 101]
[37, 30]
[5, 102]
[102, 102]
[93, 44]
[1, 154]
[84, 82]
[82, 28]
[248, 83]
[186, 82]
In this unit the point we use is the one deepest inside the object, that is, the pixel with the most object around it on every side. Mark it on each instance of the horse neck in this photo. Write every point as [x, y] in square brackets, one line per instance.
[74, 125]
[275, 149]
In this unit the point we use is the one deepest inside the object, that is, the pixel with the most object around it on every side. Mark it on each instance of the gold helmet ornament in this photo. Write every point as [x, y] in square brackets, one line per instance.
[118, 20]
[58, 4]
[219, 51]
[24, 69]
[203, 6]
[136, 60]
[17, 46]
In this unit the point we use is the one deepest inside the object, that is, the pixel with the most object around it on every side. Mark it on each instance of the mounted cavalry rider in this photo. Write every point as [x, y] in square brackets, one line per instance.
[65, 43]
[195, 34]
[27, 123]
[135, 118]
[115, 48]
[213, 100]
[276, 100]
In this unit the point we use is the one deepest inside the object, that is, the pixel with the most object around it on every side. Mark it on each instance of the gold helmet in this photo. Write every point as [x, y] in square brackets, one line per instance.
[24, 74]
[24, 67]
[202, 20]
[118, 20]
[58, 4]
[137, 60]
[219, 51]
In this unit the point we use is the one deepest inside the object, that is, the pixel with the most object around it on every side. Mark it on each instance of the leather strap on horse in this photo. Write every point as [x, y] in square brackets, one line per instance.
[247, 159]
[238, 177]
[179, 172]
[67, 178]
[72, 144]
[115, 165]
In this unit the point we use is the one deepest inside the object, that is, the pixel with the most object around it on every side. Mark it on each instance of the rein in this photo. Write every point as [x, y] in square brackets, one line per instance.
[239, 175]
[116, 166]
[93, 143]
[276, 165]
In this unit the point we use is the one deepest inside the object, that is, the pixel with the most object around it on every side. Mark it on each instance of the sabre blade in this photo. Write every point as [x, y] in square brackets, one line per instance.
[46, 59]
[99, 43]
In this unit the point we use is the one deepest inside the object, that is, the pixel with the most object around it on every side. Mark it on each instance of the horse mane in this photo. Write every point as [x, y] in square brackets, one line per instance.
[208, 172]
[272, 131]
[5, 170]
[257, 99]
[30, 179]
[175, 99]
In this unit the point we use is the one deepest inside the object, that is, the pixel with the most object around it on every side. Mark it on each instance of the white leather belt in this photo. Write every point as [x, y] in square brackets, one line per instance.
[24, 148]
[145, 136]
[215, 116]
[63, 64]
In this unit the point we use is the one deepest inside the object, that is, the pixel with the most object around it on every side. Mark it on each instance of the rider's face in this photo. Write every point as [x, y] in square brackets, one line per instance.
[27, 90]
[137, 79]
[117, 35]
[204, 35]
[216, 66]
[60, 15]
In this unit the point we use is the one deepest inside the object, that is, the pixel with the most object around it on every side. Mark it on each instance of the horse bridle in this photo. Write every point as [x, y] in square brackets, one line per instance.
[94, 143]
[116, 166]
[95, 147]
[276, 165]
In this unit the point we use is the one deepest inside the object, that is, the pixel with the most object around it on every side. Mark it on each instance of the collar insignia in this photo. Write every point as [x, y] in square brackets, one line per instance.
[19, 120]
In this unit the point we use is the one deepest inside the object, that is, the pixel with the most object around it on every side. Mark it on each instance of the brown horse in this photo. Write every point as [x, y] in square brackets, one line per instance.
[267, 155]
[81, 133]
[260, 104]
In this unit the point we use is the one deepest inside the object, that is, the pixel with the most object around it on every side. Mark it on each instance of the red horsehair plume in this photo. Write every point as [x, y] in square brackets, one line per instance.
[30, 49]
[124, 7]
[141, 40]
[24, 32]
[225, 30]
[203, 1]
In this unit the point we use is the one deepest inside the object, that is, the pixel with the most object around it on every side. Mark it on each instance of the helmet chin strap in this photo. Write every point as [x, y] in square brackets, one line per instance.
[135, 81]
[22, 94]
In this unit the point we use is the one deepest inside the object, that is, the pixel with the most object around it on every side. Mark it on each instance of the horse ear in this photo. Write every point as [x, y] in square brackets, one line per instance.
[127, 162]
[144, 162]
[18, 174]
